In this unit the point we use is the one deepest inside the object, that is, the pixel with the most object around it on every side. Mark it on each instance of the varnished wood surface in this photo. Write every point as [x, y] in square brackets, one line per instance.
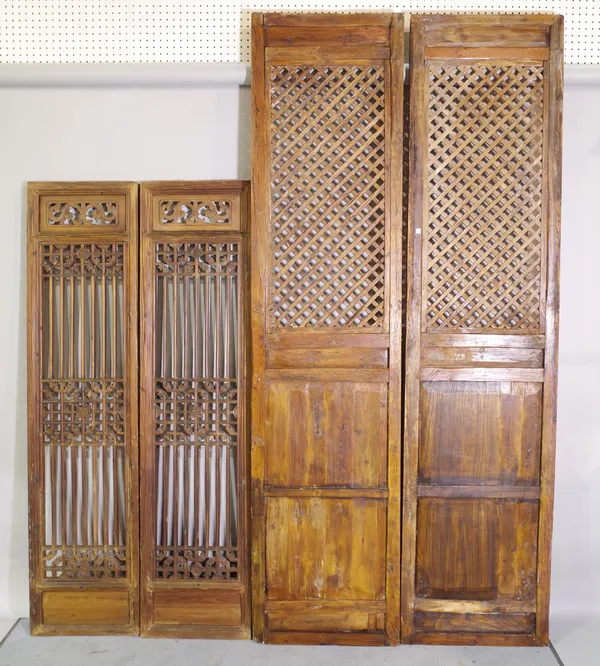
[193, 251]
[481, 364]
[326, 380]
[83, 407]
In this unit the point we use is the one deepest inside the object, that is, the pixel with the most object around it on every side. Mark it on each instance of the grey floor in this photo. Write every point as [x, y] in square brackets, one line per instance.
[579, 641]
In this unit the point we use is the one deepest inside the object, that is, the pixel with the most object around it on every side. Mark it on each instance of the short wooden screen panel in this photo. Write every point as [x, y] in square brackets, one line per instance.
[193, 411]
[83, 417]
[326, 327]
[483, 250]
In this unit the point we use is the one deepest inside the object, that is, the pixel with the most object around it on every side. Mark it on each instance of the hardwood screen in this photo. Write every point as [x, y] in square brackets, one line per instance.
[193, 412]
[82, 376]
[326, 326]
[484, 216]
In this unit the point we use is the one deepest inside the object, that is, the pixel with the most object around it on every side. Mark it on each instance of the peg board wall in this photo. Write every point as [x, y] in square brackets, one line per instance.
[177, 31]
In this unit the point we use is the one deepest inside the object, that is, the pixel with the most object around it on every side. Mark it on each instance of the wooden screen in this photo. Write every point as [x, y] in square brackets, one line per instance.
[193, 412]
[82, 375]
[484, 214]
[326, 326]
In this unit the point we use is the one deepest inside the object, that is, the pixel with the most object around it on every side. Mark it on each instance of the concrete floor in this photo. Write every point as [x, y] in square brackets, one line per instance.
[19, 649]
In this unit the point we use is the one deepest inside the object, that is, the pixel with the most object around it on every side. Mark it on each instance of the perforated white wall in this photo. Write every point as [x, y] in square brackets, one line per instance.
[178, 31]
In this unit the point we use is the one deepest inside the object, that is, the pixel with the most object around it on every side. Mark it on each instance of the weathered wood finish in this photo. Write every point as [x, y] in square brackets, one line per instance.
[483, 252]
[326, 327]
[193, 460]
[82, 407]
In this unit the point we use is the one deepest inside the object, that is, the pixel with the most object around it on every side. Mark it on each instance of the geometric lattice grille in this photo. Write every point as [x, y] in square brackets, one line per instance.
[327, 196]
[484, 234]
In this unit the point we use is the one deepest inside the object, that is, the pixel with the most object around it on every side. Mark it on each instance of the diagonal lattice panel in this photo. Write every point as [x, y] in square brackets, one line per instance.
[327, 196]
[484, 231]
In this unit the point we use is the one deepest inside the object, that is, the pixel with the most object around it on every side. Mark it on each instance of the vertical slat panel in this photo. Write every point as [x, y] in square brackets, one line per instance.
[83, 415]
[484, 219]
[193, 415]
[326, 257]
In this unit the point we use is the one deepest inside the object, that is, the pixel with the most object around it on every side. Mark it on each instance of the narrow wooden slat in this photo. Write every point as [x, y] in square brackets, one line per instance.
[498, 339]
[326, 374]
[327, 358]
[466, 638]
[287, 491]
[458, 606]
[489, 357]
[323, 638]
[480, 36]
[327, 35]
[553, 77]
[482, 53]
[322, 19]
[331, 339]
[326, 55]
[491, 492]
[416, 219]
[479, 374]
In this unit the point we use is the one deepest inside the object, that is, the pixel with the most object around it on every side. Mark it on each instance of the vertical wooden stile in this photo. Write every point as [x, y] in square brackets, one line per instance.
[326, 327]
[482, 326]
[193, 457]
[82, 407]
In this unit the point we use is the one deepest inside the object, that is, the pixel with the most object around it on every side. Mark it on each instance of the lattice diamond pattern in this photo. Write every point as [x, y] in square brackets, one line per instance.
[328, 197]
[484, 232]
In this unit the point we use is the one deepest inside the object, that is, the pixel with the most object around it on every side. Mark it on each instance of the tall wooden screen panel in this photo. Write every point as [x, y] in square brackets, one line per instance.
[193, 413]
[484, 201]
[326, 327]
[82, 414]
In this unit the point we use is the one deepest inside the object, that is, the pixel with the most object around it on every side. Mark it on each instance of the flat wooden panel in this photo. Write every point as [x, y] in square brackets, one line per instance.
[493, 623]
[482, 290]
[326, 303]
[327, 358]
[312, 35]
[324, 19]
[456, 357]
[325, 549]
[193, 419]
[205, 607]
[476, 549]
[92, 607]
[83, 392]
[515, 36]
[324, 638]
[326, 434]
[325, 616]
[480, 433]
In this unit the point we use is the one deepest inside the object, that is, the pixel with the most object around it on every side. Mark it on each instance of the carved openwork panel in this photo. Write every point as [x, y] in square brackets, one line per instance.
[327, 196]
[193, 444]
[82, 213]
[203, 213]
[196, 409]
[82, 392]
[102, 213]
[69, 260]
[484, 232]
[83, 412]
[76, 564]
